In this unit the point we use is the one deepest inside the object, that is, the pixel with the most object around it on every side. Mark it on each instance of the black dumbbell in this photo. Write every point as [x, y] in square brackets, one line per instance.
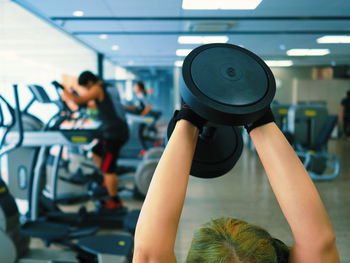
[226, 85]
[218, 149]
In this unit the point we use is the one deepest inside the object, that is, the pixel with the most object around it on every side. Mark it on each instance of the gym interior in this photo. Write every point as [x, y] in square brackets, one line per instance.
[69, 194]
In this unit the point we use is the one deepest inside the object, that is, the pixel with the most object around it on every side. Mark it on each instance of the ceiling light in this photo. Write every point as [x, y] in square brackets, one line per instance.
[183, 52]
[190, 40]
[103, 36]
[334, 40]
[115, 47]
[78, 13]
[279, 63]
[202, 39]
[308, 52]
[282, 47]
[178, 63]
[220, 4]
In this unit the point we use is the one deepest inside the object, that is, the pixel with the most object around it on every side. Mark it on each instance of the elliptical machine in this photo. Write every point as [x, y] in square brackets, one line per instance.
[14, 238]
[27, 168]
[138, 172]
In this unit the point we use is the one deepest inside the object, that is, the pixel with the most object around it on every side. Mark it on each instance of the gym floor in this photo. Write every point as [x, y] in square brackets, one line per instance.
[245, 194]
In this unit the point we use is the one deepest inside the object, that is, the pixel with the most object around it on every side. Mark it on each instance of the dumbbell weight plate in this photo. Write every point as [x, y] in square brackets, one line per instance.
[153, 153]
[7, 248]
[227, 84]
[217, 154]
[144, 174]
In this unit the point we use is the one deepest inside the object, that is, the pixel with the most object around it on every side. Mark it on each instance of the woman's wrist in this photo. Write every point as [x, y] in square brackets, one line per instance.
[187, 127]
[262, 130]
[186, 124]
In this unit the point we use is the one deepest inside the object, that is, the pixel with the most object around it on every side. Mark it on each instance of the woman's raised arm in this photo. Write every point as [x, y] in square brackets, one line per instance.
[297, 197]
[157, 226]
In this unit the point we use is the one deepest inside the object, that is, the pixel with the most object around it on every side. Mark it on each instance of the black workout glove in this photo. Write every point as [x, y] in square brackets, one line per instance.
[186, 113]
[265, 119]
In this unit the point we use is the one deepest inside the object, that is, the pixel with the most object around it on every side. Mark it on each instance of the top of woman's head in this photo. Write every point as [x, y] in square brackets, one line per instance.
[87, 77]
[227, 240]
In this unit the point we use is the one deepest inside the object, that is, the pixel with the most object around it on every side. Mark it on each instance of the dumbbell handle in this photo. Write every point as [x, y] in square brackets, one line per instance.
[207, 133]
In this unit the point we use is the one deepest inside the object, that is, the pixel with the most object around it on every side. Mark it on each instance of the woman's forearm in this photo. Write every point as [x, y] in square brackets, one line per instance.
[294, 190]
[161, 211]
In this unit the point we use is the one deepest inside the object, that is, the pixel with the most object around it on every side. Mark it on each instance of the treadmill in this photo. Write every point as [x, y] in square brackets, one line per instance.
[28, 170]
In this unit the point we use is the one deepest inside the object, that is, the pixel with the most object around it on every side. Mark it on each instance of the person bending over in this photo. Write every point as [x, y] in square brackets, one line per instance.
[227, 240]
[141, 105]
[114, 129]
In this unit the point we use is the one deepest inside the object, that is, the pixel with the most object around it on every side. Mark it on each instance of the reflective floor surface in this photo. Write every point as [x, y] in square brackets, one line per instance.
[245, 193]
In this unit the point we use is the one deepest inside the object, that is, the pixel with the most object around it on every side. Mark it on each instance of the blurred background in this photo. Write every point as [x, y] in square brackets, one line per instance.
[305, 43]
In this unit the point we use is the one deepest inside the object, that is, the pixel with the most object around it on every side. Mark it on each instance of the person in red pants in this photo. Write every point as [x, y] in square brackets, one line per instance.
[114, 128]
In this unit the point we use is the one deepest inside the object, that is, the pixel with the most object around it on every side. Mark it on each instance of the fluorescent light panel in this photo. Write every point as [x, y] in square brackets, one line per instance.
[202, 39]
[115, 47]
[279, 63]
[178, 63]
[183, 52]
[221, 4]
[308, 52]
[78, 13]
[334, 40]
[103, 36]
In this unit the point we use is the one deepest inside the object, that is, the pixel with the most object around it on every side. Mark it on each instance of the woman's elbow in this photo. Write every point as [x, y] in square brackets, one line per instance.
[142, 255]
[325, 241]
[329, 241]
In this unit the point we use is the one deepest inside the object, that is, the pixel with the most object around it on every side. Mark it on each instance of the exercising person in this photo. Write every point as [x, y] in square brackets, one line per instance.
[115, 132]
[228, 240]
[141, 106]
[344, 112]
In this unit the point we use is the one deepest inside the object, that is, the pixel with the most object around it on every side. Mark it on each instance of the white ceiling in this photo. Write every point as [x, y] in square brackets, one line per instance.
[34, 52]
[158, 49]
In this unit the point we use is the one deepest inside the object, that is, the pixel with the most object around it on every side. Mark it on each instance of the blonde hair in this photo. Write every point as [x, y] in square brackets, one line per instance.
[228, 240]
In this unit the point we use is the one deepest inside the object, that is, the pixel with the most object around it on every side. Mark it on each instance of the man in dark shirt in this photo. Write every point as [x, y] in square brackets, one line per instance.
[344, 112]
[114, 129]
